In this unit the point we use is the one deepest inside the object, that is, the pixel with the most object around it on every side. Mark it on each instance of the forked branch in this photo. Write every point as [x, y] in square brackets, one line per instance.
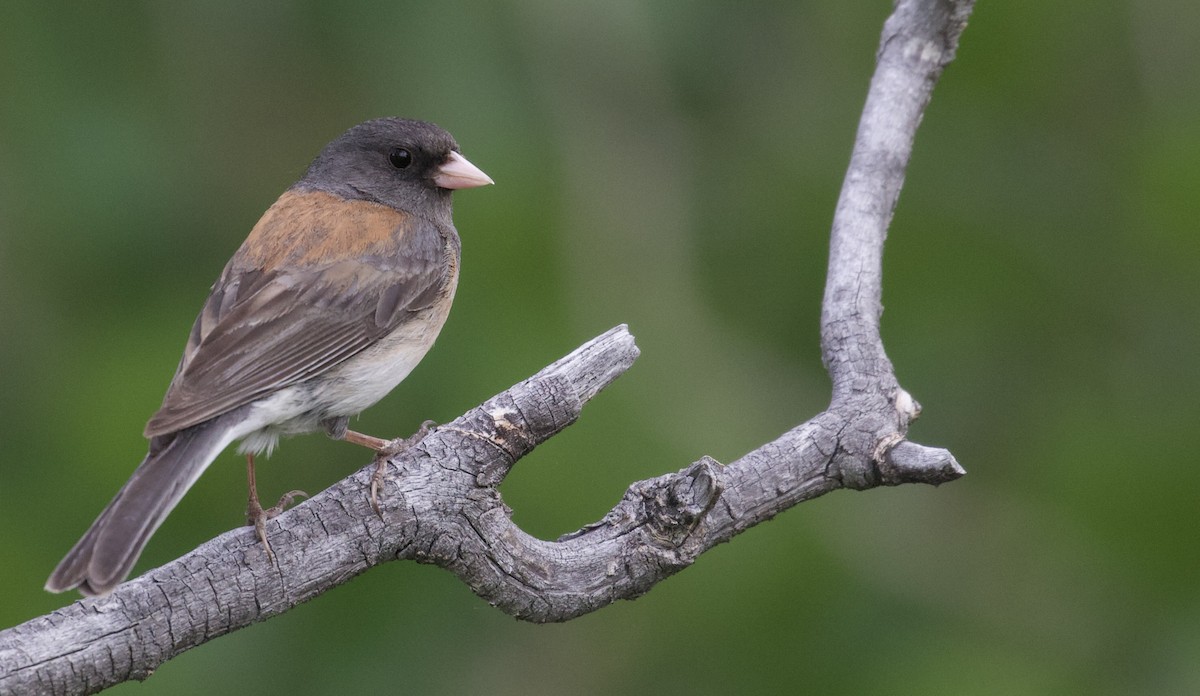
[441, 504]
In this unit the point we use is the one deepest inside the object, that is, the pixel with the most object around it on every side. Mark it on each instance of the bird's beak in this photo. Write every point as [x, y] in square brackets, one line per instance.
[457, 173]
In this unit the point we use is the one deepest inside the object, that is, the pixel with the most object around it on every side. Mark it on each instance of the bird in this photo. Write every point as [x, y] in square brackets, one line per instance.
[337, 293]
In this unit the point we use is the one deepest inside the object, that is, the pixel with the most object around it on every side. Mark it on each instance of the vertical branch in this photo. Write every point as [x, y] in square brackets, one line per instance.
[918, 40]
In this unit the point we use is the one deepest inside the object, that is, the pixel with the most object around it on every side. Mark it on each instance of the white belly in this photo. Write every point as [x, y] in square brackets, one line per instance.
[346, 390]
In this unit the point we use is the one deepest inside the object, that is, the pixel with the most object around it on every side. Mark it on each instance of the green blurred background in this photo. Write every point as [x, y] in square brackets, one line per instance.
[673, 166]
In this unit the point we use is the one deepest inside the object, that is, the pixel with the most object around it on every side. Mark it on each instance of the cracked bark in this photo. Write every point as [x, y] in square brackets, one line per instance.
[441, 504]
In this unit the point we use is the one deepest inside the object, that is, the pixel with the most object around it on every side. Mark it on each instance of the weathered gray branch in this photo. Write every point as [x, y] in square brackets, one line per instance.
[441, 504]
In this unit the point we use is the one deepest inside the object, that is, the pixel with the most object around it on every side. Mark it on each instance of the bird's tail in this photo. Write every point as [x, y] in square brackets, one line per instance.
[106, 553]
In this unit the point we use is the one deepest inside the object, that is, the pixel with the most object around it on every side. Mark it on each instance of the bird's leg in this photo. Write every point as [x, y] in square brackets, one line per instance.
[369, 441]
[384, 449]
[256, 515]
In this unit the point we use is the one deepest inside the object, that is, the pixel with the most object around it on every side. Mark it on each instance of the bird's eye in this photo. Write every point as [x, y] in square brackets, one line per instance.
[400, 158]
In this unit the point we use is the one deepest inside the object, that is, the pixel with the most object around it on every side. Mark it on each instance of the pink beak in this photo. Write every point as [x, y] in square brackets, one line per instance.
[457, 173]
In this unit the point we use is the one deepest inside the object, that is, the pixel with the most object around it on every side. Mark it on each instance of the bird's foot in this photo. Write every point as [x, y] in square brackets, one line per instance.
[256, 516]
[384, 449]
[389, 449]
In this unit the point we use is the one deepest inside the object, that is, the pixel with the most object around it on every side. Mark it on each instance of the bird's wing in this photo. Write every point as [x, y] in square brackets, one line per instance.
[266, 328]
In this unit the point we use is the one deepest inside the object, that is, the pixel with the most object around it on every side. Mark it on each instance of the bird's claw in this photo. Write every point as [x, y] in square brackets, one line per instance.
[257, 517]
[284, 501]
[384, 454]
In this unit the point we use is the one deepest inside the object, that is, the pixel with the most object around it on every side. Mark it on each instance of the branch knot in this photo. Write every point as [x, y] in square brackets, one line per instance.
[674, 505]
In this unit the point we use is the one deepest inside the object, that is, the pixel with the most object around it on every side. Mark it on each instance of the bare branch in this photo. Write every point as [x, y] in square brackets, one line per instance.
[441, 504]
[438, 490]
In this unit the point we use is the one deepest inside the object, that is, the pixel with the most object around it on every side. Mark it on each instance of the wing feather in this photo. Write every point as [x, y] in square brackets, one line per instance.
[263, 329]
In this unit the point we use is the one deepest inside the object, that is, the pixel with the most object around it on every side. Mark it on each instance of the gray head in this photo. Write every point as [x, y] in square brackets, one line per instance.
[408, 165]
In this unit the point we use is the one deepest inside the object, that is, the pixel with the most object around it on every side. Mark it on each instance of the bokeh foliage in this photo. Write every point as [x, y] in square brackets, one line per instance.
[673, 166]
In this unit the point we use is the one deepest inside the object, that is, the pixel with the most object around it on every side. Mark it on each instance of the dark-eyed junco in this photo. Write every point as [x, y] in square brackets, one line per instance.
[335, 296]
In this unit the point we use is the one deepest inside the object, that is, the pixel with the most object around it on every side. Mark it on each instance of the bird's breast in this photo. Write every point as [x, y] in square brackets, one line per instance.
[364, 379]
